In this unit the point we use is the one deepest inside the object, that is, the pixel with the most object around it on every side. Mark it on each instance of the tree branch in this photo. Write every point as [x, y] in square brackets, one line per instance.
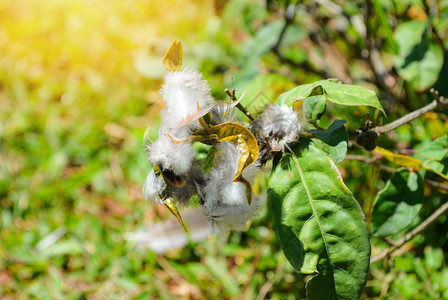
[436, 104]
[419, 229]
[436, 184]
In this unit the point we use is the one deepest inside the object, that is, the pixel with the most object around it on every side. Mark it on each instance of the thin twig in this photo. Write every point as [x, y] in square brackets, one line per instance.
[420, 228]
[436, 184]
[231, 94]
[436, 104]
[370, 161]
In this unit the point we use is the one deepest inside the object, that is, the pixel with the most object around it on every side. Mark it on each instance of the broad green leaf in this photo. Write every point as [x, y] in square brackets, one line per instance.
[313, 108]
[420, 57]
[397, 205]
[436, 150]
[298, 93]
[438, 167]
[350, 95]
[172, 61]
[246, 144]
[399, 159]
[319, 225]
[314, 105]
[337, 93]
[334, 139]
[434, 155]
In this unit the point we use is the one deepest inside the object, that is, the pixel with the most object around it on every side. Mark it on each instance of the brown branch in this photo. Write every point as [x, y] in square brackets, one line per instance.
[419, 229]
[436, 184]
[232, 95]
[370, 161]
[436, 104]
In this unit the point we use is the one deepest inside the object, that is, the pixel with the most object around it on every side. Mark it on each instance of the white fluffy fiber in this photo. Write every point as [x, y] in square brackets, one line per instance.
[170, 155]
[226, 205]
[280, 122]
[222, 113]
[153, 187]
[182, 92]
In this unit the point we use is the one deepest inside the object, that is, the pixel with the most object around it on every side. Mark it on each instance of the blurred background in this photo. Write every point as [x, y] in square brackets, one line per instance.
[79, 85]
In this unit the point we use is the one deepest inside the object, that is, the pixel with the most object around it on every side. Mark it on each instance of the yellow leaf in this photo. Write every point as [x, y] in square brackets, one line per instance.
[169, 203]
[399, 159]
[172, 61]
[246, 144]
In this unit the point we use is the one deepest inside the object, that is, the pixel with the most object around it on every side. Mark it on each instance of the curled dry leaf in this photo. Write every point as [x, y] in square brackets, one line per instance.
[246, 144]
[172, 61]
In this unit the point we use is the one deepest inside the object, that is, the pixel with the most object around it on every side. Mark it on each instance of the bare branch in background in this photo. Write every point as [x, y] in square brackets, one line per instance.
[439, 103]
[419, 229]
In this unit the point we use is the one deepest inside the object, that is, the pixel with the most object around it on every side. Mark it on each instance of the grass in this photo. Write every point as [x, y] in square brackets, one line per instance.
[79, 85]
[75, 106]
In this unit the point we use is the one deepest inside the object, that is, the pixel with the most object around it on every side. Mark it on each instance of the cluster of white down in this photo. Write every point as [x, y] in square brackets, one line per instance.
[224, 202]
[183, 92]
[278, 126]
[226, 205]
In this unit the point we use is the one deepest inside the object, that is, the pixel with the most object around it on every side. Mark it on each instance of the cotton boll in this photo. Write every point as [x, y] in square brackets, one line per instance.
[175, 156]
[154, 186]
[183, 92]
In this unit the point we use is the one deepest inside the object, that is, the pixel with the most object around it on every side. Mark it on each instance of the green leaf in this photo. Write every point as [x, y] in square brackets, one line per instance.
[298, 93]
[438, 167]
[334, 139]
[420, 57]
[341, 94]
[314, 108]
[397, 205]
[318, 223]
[314, 105]
[433, 258]
[437, 149]
[350, 95]
[434, 155]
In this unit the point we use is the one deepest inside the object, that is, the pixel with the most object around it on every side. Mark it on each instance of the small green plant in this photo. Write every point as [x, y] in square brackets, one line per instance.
[319, 224]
